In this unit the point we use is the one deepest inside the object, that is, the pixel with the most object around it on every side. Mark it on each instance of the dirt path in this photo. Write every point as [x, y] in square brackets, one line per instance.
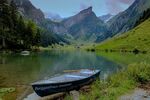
[140, 93]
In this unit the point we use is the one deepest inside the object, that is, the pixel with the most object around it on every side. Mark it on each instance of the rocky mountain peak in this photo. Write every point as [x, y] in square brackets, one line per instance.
[87, 11]
[84, 25]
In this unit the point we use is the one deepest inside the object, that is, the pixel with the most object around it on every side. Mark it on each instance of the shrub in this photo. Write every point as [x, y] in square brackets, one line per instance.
[136, 51]
[139, 72]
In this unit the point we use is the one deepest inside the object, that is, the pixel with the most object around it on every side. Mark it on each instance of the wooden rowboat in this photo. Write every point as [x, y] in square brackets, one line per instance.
[65, 82]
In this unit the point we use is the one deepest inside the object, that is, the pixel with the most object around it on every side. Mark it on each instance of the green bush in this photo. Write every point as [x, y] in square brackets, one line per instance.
[139, 72]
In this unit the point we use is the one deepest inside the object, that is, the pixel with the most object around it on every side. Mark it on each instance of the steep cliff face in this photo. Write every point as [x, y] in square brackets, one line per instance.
[106, 17]
[85, 24]
[78, 18]
[26, 8]
[56, 27]
[125, 20]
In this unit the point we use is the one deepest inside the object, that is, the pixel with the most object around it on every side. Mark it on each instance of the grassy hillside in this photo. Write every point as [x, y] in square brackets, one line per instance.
[137, 38]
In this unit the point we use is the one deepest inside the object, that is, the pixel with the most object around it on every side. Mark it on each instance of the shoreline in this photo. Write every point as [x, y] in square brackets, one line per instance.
[120, 83]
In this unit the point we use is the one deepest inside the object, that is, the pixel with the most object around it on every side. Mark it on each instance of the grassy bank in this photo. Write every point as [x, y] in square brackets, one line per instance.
[120, 83]
[71, 47]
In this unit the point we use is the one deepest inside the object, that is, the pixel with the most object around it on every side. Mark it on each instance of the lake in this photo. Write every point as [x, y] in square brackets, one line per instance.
[16, 69]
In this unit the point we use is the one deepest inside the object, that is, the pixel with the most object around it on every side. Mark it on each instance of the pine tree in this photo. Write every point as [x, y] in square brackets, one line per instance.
[14, 13]
[145, 16]
[4, 21]
[37, 38]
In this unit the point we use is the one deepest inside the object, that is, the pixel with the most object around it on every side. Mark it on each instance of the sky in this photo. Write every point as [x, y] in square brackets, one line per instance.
[66, 8]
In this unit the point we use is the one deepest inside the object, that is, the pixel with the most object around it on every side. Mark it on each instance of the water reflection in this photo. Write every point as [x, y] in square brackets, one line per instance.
[17, 69]
[56, 62]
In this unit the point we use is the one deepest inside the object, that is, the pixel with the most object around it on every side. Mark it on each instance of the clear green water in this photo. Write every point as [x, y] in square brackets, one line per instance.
[19, 70]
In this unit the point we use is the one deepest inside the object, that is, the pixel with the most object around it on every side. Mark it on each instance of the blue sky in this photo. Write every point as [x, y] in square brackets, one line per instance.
[66, 8]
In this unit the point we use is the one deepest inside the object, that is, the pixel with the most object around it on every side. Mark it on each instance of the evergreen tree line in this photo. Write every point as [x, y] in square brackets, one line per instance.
[49, 38]
[145, 16]
[16, 32]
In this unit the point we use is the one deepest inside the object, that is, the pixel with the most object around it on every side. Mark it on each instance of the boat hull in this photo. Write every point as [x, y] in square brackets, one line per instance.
[48, 89]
